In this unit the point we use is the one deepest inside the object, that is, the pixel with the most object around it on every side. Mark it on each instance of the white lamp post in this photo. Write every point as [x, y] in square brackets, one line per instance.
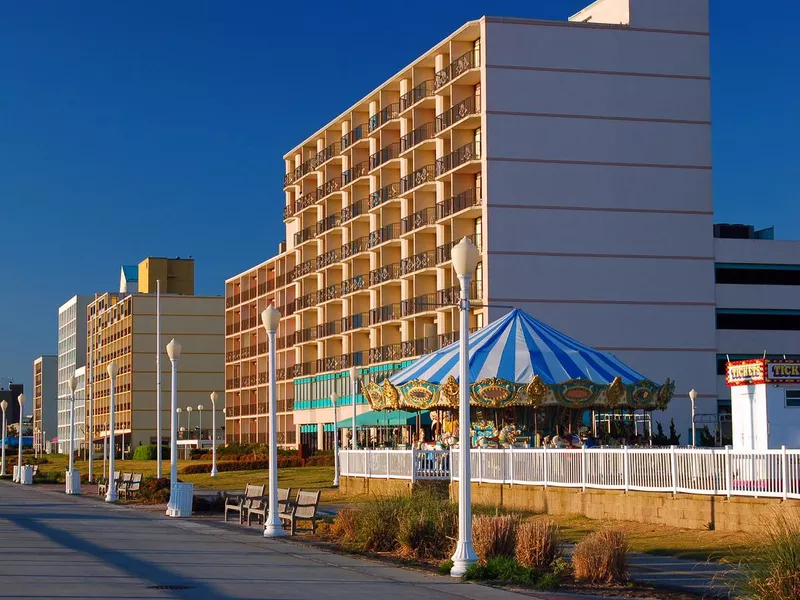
[353, 384]
[271, 318]
[178, 411]
[200, 433]
[4, 406]
[111, 493]
[180, 494]
[214, 397]
[159, 473]
[21, 400]
[73, 482]
[693, 397]
[334, 400]
[465, 259]
[189, 421]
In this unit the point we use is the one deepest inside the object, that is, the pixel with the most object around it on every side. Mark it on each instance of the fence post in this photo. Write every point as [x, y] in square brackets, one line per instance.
[544, 459]
[387, 463]
[413, 465]
[673, 461]
[367, 465]
[625, 468]
[511, 466]
[728, 471]
[480, 465]
[784, 474]
[583, 468]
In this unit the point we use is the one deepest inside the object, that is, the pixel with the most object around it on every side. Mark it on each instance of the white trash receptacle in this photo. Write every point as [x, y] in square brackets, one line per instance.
[180, 500]
[26, 475]
[15, 476]
[73, 482]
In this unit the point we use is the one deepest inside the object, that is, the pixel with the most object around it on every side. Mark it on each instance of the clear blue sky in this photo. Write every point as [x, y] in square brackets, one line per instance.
[130, 129]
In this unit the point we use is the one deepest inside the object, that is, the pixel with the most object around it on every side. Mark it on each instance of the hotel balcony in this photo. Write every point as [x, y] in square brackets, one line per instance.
[357, 135]
[384, 195]
[425, 132]
[356, 209]
[444, 252]
[329, 187]
[463, 64]
[457, 203]
[418, 220]
[470, 106]
[355, 173]
[328, 258]
[357, 246]
[384, 116]
[354, 284]
[305, 201]
[418, 93]
[385, 234]
[466, 154]
[418, 178]
[384, 273]
[418, 262]
[384, 155]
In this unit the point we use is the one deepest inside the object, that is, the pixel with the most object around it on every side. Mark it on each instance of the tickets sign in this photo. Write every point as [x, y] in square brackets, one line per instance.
[759, 370]
[785, 371]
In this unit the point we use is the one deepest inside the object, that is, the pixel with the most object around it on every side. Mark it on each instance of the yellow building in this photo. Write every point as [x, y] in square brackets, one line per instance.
[45, 400]
[122, 328]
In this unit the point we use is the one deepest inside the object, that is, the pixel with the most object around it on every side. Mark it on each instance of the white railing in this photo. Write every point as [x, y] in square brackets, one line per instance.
[712, 471]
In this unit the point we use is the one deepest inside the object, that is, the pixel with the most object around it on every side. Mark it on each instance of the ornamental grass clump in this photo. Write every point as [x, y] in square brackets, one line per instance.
[538, 544]
[774, 572]
[495, 536]
[602, 557]
[345, 526]
[428, 527]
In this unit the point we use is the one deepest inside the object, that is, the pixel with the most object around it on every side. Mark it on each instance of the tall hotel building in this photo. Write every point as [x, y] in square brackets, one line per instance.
[45, 400]
[576, 155]
[122, 328]
[71, 357]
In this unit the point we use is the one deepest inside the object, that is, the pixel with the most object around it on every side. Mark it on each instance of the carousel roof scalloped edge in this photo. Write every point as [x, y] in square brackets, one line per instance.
[495, 392]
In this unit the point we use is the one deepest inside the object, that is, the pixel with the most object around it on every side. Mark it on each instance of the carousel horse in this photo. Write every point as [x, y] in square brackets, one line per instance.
[508, 435]
[483, 434]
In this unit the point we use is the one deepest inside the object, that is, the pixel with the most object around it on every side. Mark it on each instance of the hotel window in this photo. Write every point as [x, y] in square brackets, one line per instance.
[476, 53]
[759, 320]
[478, 185]
[479, 281]
[793, 398]
[477, 140]
[478, 232]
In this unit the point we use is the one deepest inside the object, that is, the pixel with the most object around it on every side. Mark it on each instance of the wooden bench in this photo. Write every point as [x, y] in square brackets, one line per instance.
[261, 509]
[130, 488]
[241, 503]
[102, 485]
[303, 509]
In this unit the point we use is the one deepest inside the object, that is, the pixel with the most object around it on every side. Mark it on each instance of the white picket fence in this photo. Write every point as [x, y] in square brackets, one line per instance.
[711, 471]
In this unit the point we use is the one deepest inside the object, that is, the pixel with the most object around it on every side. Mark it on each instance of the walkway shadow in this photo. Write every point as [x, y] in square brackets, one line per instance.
[147, 572]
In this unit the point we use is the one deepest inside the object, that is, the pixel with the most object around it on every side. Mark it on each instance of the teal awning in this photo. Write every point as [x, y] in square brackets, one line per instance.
[386, 418]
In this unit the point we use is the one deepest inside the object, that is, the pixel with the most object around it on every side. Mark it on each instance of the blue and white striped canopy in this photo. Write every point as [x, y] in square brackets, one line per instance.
[516, 348]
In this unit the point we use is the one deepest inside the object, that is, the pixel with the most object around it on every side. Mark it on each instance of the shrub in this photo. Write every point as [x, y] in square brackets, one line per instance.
[215, 505]
[538, 544]
[345, 526]
[775, 572]
[153, 491]
[602, 557]
[253, 465]
[428, 527]
[149, 452]
[495, 536]
[445, 567]
[501, 568]
[378, 524]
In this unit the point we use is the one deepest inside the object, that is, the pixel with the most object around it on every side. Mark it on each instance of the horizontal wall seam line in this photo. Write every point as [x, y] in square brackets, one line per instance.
[597, 163]
[639, 349]
[627, 302]
[589, 255]
[513, 113]
[660, 211]
[600, 26]
[600, 72]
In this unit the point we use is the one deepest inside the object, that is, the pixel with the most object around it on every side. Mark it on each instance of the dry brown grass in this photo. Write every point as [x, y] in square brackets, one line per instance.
[345, 526]
[495, 536]
[602, 557]
[538, 544]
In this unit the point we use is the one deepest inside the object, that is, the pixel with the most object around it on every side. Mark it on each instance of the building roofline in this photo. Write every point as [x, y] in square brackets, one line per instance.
[258, 266]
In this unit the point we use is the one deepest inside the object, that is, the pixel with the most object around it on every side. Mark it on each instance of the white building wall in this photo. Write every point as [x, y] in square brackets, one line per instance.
[71, 357]
[600, 217]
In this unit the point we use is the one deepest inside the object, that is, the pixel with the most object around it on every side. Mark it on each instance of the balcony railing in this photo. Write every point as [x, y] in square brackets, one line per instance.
[330, 292]
[305, 201]
[359, 170]
[457, 203]
[384, 155]
[309, 334]
[329, 187]
[428, 302]
[352, 285]
[417, 136]
[328, 222]
[386, 193]
[421, 218]
[355, 209]
[304, 235]
[417, 93]
[356, 134]
[384, 234]
[329, 328]
[443, 252]
[417, 178]
[328, 153]
[306, 301]
[458, 157]
[388, 312]
[422, 260]
[288, 211]
[468, 106]
[355, 321]
[384, 273]
[328, 258]
[465, 62]
[387, 113]
[288, 179]
[350, 249]
[304, 268]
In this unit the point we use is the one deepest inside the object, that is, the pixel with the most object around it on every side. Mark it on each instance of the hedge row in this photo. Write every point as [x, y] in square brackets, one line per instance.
[241, 465]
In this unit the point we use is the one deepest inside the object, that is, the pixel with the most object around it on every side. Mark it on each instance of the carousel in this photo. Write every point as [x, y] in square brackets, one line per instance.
[531, 385]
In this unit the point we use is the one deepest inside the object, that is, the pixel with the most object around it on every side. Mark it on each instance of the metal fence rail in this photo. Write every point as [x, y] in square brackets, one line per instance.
[710, 471]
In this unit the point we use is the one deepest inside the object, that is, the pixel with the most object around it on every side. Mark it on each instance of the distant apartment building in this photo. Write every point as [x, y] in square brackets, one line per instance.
[10, 393]
[71, 357]
[124, 331]
[45, 400]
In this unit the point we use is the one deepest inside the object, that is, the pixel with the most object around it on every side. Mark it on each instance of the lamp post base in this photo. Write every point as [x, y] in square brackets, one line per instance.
[112, 495]
[273, 530]
[462, 559]
[214, 472]
[180, 500]
[73, 485]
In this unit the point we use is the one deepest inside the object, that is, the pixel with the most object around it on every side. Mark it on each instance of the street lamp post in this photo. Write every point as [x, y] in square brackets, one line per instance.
[465, 259]
[4, 406]
[271, 318]
[189, 421]
[73, 483]
[21, 400]
[353, 384]
[214, 397]
[693, 397]
[178, 497]
[334, 400]
[200, 432]
[111, 493]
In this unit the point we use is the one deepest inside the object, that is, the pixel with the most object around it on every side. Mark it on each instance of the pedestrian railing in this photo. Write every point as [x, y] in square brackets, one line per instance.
[711, 471]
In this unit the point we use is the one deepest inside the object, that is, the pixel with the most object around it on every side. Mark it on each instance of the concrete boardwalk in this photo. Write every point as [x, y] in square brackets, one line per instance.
[56, 546]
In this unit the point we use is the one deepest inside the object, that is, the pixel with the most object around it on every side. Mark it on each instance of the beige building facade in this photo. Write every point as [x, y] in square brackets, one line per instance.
[45, 400]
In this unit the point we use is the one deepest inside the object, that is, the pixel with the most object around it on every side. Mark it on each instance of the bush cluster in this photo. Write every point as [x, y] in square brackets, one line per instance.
[602, 557]
[242, 465]
[150, 452]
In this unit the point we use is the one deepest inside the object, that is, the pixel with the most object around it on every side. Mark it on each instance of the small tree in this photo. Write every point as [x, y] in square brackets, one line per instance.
[674, 436]
[659, 439]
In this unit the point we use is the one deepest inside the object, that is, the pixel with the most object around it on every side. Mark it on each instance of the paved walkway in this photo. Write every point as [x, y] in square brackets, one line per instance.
[55, 546]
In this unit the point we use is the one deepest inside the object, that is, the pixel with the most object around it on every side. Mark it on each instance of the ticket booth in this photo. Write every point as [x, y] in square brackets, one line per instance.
[765, 403]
